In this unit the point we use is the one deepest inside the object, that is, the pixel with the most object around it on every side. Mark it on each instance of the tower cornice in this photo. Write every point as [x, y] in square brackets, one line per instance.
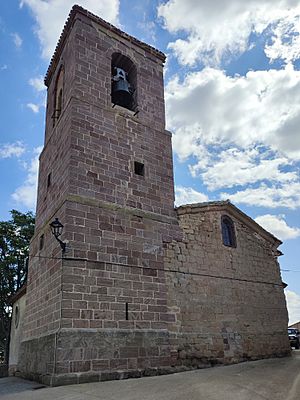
[77, 10]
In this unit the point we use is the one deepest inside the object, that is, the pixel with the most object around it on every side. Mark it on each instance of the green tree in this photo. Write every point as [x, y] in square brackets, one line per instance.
[15, 236]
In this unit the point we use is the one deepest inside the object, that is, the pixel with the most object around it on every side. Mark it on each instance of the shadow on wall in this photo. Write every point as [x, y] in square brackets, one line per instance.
[3, 370]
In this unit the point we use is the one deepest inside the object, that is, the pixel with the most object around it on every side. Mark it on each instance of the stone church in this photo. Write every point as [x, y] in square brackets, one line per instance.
[134, 287]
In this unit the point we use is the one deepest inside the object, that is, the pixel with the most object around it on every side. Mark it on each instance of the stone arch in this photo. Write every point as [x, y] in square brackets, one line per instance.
[124, 81]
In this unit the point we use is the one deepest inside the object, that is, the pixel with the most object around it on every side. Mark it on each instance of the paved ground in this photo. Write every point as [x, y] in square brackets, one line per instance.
[275, 379]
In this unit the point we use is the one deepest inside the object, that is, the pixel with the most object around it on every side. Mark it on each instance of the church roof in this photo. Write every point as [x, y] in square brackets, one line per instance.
[16, 296]
[68, 25]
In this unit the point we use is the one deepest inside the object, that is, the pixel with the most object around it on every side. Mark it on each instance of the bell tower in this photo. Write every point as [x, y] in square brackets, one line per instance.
[100, 307]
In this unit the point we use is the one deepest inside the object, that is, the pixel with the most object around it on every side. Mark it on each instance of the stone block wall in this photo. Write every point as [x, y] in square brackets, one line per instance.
[104, 146]
[114, 318]
[99, 231]
[54, 168]
[94, 44]
[114, 296]
[107, 140]
[115, 221]
[89, 157]
[65, 61]
[16, 331]
[229, 301]
[197, 302]
[43, 299]
[131, 295]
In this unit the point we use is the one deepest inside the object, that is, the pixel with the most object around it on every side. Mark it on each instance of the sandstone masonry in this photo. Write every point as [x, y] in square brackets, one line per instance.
[229, 301]
[141, 288]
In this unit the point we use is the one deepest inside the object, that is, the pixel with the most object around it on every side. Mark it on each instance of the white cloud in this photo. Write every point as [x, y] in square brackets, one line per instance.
[51, 15]
[285, 40]
[239, 131]
[3, 67]
[217, 28]
[209, 108]
[293, 305]
[273, 196]
[240, 167]
[9, 150]
[38, 83]
[33, 107]
[17, 40]
[187, 195]
[276, 225]
[148, 27]
[26, 193]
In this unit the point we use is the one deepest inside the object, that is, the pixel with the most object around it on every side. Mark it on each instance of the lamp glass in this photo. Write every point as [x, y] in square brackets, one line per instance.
[56, 227]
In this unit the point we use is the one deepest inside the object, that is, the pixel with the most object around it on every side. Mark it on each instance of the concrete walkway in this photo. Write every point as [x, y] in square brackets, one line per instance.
[274, 379]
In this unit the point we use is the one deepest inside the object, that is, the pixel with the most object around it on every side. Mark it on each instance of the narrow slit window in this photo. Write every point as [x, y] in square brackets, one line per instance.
[228, 233]
[59, 103]
[42, 241]
[139, 168]
[49, 180]
[17, 316]
[58, 96]
[126, 312]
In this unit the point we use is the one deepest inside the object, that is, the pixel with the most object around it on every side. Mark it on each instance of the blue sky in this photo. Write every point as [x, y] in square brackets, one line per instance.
[232, 80]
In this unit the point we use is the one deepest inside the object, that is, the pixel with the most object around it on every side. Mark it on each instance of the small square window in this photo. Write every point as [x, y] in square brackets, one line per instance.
[139, 168]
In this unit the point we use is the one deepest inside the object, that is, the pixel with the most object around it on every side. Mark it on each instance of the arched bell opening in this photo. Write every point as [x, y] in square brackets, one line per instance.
[123, 82]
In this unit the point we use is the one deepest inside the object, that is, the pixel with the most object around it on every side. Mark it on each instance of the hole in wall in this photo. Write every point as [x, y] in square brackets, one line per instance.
[126, 312]
[49, 180]
[139, 168]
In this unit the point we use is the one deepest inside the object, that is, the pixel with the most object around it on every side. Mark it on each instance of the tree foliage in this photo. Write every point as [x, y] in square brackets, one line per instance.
[15, 236]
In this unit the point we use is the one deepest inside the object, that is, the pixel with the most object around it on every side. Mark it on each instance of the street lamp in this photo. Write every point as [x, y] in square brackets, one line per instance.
[56, 229]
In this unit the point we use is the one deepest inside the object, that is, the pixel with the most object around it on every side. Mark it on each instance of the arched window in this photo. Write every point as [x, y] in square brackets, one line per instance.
[58, 96]
[123, 82]
[228, 234]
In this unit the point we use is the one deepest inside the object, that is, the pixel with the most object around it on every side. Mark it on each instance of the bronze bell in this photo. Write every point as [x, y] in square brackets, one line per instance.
[121, 90]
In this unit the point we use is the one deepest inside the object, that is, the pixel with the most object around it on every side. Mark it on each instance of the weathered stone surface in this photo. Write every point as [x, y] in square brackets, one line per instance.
[37, 356]
[228, 301]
